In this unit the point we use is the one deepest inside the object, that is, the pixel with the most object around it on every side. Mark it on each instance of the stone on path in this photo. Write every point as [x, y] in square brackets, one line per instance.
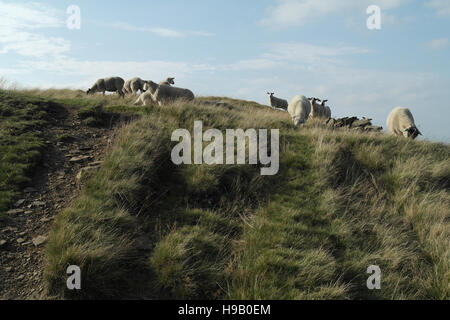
[39, 240]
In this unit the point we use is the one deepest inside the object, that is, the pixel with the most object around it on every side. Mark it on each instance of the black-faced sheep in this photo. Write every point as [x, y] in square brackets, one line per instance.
[168, 82]
[277, 102]
[401, 123]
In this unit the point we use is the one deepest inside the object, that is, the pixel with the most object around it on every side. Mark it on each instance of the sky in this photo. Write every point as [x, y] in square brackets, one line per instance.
[243, 49]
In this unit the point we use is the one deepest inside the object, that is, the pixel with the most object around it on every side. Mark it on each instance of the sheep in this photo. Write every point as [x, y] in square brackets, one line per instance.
[164, 93]
[145, 99]
[327, 109]
[401, 122]
[114, 84]
[167, 82]
[328, 112]
[299, 108]
[317, 110]
[277, 102]
[134, 85]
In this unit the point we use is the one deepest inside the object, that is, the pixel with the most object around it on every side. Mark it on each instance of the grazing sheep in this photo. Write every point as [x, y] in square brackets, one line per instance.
[134, 85]
[299, 108]
[401, 122]
[168, 82]
[114, 84]
[277, 102]
[163, 94]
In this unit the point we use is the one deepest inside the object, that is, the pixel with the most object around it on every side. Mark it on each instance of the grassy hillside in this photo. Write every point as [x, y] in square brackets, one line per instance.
[342, 201]
[23, 119]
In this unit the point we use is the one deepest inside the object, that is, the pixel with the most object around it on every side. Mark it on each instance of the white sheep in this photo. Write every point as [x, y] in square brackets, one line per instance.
[168, 82]
[163, 94]
[132, 86]
[277, 102]
[113, 84]
[401, 123]
[299, 108]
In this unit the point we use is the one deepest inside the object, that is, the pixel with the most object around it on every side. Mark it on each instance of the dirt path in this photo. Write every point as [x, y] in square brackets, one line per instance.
[52, 188]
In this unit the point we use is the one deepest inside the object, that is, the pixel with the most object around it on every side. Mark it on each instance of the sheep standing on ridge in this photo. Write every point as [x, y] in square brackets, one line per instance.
[401, 123]
[114, 84]
[317, 110]
[277, 102]
[163, 94]
[168, 82]
[326, 108]
[299, 108]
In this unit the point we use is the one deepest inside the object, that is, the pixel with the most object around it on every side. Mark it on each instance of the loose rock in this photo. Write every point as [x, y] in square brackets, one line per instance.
[39, 240]
[79, 159]
[15, 211]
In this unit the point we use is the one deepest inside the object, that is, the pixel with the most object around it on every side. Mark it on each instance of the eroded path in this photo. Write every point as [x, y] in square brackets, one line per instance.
[71, 146]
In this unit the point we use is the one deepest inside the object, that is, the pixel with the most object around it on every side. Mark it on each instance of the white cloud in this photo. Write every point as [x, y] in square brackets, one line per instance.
[162, 32]
[297, 55]
[91, 70]
[29, 16]
[442, 7]
[253, 64]
[437, 44]
[19, 27]
[300, 12]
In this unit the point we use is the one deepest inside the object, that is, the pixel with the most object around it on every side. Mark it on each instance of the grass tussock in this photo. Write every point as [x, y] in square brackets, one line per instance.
[342, 201]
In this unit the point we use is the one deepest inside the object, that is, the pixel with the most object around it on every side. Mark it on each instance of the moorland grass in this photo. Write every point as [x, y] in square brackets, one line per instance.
[341, 202]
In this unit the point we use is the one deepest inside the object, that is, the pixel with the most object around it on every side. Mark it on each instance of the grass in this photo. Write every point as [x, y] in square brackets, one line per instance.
[342, 201]
[23, 119]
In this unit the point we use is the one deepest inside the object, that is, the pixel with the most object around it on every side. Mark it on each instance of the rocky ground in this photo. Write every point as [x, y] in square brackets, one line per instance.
[71, 148]
[353, 123]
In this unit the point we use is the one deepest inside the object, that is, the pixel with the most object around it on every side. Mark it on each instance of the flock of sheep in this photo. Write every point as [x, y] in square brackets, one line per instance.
[150, 91]
[399, 122]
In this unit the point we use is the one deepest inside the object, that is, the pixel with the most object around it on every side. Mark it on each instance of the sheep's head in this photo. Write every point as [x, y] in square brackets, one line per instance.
[323, 103]
[297, 120]
[270, 93]
[171, 80]
[412, 133]
[89, 92]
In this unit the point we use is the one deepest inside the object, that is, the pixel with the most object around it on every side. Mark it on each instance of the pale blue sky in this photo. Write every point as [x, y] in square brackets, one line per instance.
[243, 49]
